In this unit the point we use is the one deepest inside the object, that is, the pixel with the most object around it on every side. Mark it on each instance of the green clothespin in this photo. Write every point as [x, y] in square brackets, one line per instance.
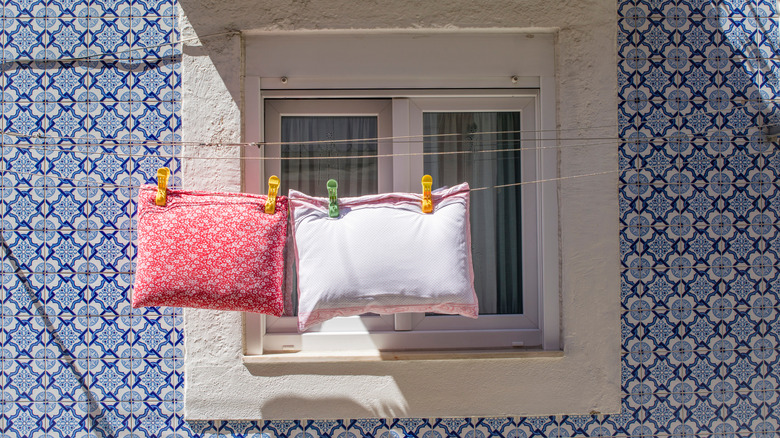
[333, 199]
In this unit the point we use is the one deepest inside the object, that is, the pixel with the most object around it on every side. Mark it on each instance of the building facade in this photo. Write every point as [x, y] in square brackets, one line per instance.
[92, 106]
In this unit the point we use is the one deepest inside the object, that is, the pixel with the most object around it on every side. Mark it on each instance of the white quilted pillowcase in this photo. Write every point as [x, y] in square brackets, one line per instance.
[383, 255]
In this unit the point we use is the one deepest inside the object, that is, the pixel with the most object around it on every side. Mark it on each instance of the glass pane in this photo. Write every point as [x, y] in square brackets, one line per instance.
[356, 176]
[496, 227]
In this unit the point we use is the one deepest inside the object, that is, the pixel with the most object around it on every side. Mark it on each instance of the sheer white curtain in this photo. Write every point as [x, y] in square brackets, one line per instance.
[495, 214]
[356, 176]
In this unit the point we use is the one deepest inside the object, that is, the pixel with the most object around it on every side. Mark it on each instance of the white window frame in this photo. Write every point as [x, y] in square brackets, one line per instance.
[401, 173]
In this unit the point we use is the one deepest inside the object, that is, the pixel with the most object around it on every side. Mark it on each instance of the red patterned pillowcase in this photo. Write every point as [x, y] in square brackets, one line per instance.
[210, 250]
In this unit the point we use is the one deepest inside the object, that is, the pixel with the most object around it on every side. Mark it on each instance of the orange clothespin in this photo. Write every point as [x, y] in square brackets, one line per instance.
[163, 174]
[427, 200]
[273, 189]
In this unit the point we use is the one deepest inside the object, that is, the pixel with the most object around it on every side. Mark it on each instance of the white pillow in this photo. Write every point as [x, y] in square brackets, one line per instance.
[383, 255]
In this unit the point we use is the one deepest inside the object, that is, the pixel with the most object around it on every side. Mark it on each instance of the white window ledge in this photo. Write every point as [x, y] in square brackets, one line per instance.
[380, 356]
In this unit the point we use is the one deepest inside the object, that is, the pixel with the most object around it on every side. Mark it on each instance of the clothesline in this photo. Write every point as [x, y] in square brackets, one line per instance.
[90, 141]
[623, 268]
[653, 167]
[327, 157]
[492, 145]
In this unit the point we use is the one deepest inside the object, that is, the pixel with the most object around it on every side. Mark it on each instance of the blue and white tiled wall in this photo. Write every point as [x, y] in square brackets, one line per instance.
[699, 208]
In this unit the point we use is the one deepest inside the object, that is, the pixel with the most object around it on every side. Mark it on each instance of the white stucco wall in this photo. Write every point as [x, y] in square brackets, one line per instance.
[584, 380]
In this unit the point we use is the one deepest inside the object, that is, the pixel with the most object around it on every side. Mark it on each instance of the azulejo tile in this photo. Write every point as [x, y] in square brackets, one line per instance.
[152, 122]
[25, 337]
[67, 294]
[153, 34]
[68, 380]
[67, 251]
[69, 336]
[113, 419]
[110, 379]
[153, 7]
[366, 427]
[109, 8]
[156, 380]
[110, 35]
[25, 208]
[144, 168]
[22, 293]
[110, 81]
[282, 428]
[408, 426]
[23, 420]
[112, 337]
[152, 81]
[67, 120]
[27, 251]
[325, 428]
[664, 414]
[25, 380]
[25, 82]
[69, 419]
[153, 336]
[109, 208]
[109, 294]
[26, 39]
[109, 252]
[67, 38]
[67, 207]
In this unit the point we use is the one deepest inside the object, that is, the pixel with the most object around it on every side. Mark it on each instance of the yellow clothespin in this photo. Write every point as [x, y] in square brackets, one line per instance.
[273, 188]
[162, 186]
[427, 200]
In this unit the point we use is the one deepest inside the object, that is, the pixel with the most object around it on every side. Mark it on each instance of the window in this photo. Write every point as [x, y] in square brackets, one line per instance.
[488, 138]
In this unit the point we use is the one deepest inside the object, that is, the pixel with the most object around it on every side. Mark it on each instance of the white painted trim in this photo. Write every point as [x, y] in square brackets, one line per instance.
[434, 332]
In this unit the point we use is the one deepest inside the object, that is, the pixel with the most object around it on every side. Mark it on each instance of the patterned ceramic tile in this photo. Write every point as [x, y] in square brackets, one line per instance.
[25, 337]
[69, 419]
[25, 82]
[25, 380]
[67, 380]
[25, 419]
[112, 337]
[153, 336]
[67, 38]
[110, 379]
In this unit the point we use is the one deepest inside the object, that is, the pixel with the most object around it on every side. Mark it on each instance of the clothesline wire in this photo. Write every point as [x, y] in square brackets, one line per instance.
[653, 167]
[623, 268]
[411, 138]
[333, 157]
[594, 141]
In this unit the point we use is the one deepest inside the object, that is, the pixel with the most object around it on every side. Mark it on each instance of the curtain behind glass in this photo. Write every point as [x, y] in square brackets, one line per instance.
[496, 227]
[356, 176]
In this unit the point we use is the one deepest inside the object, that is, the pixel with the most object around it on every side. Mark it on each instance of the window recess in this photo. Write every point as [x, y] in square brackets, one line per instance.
[488, 138]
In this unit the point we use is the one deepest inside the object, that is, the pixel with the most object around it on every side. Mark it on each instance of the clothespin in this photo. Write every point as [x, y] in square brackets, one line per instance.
[162, 186]
[273, 188]
[333, 199]
[427, 200]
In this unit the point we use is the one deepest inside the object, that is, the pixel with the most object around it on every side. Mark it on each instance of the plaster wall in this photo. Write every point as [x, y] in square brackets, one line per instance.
[219, 386]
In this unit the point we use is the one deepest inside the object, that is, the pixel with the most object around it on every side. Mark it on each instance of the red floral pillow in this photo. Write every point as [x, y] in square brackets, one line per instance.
[210, 250]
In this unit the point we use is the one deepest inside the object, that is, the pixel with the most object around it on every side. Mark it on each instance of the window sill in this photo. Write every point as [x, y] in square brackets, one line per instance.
[381, 356]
